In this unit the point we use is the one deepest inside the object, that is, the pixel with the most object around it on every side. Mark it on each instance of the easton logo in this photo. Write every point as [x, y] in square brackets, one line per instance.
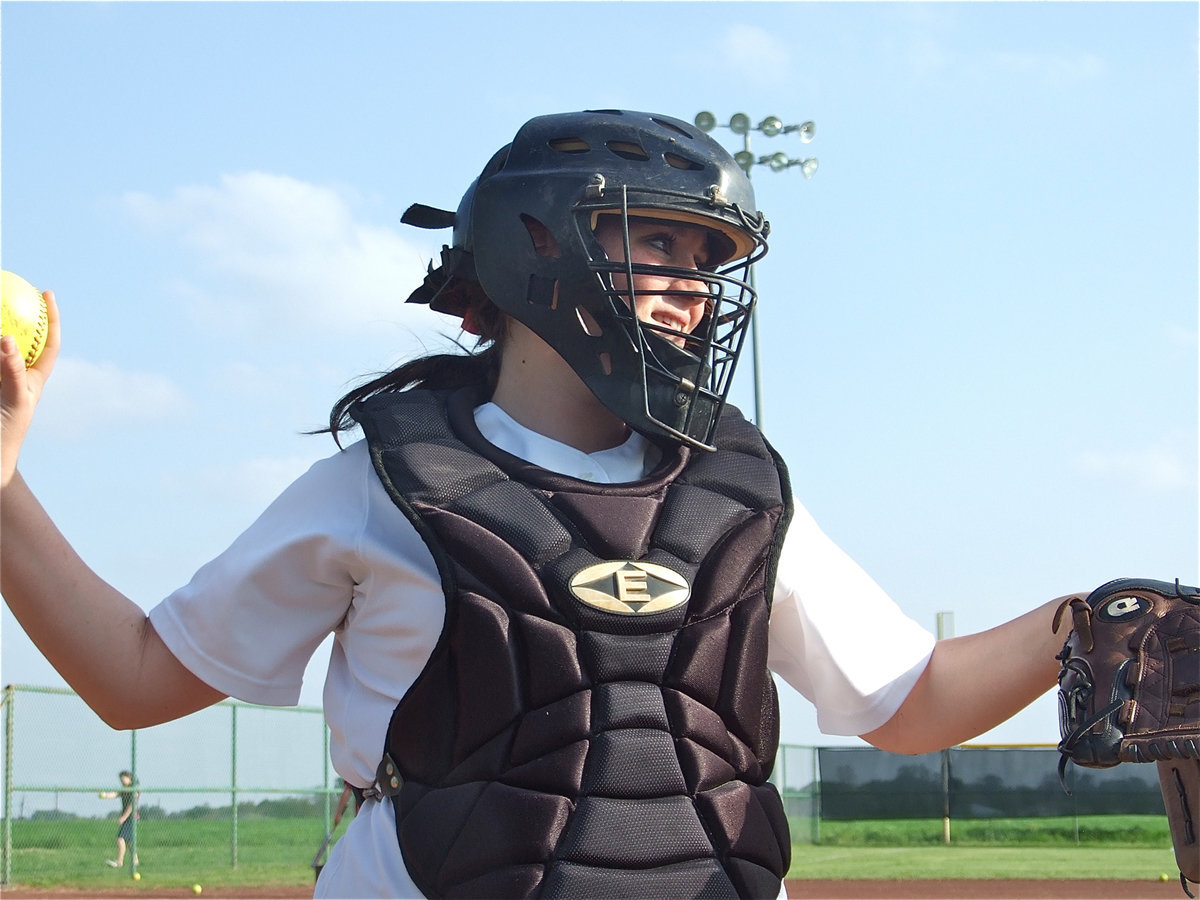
[630, 588]
[1121, 609]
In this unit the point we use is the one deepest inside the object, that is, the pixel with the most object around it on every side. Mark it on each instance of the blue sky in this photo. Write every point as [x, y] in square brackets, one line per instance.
[979, 319]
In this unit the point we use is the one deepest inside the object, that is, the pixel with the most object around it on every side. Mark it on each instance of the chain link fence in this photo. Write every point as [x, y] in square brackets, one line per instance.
[241, 785]
[978, 783]
[231, 785]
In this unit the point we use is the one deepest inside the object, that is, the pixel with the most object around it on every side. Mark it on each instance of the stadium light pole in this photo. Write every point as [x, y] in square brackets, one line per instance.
[771, 126]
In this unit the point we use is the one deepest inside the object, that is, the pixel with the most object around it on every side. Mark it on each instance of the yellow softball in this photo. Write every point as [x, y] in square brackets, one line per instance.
[23, 315]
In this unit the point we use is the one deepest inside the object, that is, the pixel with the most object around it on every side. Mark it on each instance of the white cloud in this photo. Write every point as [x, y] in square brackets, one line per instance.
[929, 36]
[83, 396]
[278, 252]
[1180, 336]
[1155, 467]
[256, 482]
[755, 50]
[926, 55]
[1053, 68]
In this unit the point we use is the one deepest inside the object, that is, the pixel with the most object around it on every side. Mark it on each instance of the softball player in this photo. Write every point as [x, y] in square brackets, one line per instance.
[559, 570]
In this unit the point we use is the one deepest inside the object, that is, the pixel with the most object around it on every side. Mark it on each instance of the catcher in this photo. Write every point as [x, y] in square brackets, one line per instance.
[1129, 691]
[559, 569]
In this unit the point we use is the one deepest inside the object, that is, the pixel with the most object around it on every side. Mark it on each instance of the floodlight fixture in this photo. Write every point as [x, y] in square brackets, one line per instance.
[807, 130]
[771, 126]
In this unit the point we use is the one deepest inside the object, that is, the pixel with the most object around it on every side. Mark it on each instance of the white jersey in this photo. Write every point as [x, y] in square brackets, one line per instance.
[334, 554]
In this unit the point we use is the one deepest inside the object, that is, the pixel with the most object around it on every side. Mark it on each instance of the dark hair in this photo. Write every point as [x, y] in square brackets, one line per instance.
[440, 371]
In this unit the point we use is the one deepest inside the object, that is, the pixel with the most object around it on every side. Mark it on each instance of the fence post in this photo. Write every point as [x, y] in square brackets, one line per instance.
[9, 696]
[816, 801]
[1075, 812]
[325, 777]
[945, 629]
[133, 834]
[946, 796]
[778, 776]
[233, 793]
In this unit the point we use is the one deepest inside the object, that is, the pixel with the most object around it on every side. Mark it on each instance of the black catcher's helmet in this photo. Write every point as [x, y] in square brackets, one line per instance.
[564, 171]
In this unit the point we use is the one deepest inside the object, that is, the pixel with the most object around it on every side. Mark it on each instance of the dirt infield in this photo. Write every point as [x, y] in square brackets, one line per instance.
[820, 889]
[983, 889]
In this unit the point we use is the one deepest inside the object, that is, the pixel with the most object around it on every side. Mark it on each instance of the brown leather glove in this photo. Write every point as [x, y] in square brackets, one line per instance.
[1180, 783]
[1129, 691]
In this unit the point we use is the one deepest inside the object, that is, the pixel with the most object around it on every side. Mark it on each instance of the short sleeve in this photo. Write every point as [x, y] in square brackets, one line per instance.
[837, 637]
[249, 621]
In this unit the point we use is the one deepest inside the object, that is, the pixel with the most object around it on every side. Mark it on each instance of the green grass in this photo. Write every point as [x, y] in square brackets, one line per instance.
[946, 862]
[1114, 847]
[1111, 831]
[181, 852]
[171, 852]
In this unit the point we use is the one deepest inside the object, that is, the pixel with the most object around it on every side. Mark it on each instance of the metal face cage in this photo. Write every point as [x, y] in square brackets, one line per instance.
[684, 378]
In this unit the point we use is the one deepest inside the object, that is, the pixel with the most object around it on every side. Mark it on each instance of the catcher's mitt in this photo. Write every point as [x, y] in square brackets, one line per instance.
[1129, 691]
[1180, 783]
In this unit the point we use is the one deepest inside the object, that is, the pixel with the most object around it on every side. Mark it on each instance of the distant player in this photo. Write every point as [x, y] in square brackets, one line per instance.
[125, 820]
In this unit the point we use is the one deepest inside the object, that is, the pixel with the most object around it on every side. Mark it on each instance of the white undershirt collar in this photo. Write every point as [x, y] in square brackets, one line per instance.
[625, 462]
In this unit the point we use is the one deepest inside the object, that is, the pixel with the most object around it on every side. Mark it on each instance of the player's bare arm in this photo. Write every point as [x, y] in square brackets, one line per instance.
[79, 621]
[961, 694]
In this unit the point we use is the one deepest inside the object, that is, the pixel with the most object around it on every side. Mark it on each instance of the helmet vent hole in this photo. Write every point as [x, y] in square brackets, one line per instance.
[590, 326]
[669, 126]
[570, 145]
[542, 291]
[679, 162]
[628, 150]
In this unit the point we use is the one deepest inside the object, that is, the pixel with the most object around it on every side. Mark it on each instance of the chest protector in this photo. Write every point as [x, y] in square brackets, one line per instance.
[597, 718]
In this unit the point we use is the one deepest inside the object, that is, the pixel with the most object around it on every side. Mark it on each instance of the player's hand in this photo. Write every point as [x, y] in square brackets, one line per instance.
[21, 389]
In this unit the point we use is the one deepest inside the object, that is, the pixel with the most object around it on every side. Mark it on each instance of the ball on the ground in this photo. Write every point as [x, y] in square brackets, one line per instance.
[1164, 877]
[137, 876]
[23, 315]
[196, 889]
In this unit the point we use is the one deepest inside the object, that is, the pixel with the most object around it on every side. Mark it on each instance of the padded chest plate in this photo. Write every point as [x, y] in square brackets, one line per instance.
[597, 718]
